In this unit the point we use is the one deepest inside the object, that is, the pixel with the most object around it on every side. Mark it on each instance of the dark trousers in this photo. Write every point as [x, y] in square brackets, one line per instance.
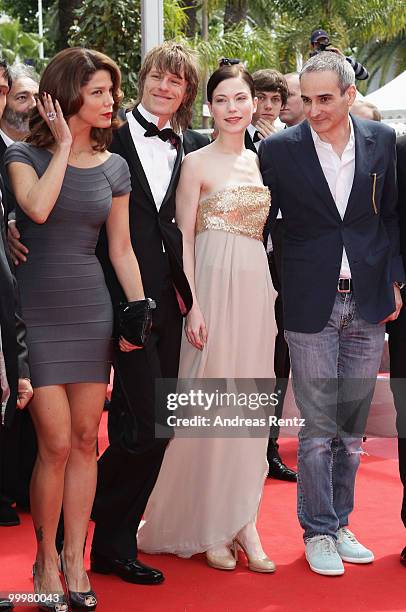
[281, 355]
[9, 460]
[129, 468]
[397, 352]
[18, 450]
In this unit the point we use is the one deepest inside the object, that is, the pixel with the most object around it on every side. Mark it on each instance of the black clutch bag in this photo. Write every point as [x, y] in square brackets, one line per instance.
[134, 320]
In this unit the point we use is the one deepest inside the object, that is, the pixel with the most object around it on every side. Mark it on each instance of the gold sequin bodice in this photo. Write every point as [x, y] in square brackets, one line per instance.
[242, 209]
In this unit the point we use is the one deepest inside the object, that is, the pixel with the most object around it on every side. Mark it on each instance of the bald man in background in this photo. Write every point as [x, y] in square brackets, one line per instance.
[292, 112]
[366, 110]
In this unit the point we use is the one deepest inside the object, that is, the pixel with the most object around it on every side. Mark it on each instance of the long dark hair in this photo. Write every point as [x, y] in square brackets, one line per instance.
[63, 78]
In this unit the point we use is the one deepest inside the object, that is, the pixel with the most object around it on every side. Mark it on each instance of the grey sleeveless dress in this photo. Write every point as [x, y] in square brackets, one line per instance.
[65, 302]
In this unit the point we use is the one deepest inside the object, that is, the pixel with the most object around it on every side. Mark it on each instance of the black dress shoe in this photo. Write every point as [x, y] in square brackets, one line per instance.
[280, 471]
[8, 515]
[130, 570]
[403, 556]
[5, 604]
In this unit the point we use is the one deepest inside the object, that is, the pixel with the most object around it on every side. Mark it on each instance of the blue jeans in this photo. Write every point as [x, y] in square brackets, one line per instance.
[334, 374]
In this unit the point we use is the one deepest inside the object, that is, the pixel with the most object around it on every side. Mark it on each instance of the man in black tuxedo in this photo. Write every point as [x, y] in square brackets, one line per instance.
[128, 469]
[271, 89]
[397, 338]
[11, 449]
[20, 447]
[8, 515]
[15, 386]
[334, 178]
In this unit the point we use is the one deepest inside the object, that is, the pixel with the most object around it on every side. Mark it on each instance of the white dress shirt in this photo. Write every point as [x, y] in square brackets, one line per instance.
[339, 174]
[157, 157]
[7, 140]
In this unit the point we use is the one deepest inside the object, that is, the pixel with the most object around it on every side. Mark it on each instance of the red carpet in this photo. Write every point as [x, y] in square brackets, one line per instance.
[191, 586]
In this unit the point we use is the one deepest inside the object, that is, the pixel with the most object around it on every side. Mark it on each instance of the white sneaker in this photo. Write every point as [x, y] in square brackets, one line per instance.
[322, 556]
[350, 549]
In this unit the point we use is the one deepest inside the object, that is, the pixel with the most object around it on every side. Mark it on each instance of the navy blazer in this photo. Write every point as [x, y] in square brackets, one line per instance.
[315, 234]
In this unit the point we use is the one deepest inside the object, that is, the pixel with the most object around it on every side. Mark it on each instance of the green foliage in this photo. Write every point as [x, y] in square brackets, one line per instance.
[350, 24]
[15, 44]
[253, 46]
[25, 11]
[175, 19]
[275, 33]
[113, 28]
[387, 59]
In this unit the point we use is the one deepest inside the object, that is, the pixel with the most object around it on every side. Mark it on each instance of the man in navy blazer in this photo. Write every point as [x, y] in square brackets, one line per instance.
[334, 179]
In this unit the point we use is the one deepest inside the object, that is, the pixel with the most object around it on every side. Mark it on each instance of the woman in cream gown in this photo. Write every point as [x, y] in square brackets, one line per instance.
[209, 488]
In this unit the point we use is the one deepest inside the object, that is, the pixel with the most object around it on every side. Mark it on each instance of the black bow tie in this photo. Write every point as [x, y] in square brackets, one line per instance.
[152, 130]
[256, 136]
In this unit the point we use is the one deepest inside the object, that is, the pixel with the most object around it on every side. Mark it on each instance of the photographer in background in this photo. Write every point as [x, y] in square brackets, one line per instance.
[320, 40]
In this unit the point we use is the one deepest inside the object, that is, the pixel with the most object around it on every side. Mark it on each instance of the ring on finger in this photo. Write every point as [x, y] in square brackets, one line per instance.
[51, 115]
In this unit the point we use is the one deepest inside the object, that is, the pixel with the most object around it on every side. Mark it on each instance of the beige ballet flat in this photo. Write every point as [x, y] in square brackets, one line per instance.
[264, 566]
[221, 562]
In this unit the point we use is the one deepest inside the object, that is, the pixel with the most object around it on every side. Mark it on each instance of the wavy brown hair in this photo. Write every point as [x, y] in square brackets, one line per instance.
[175, 58]
[271, 80]
[63, 78]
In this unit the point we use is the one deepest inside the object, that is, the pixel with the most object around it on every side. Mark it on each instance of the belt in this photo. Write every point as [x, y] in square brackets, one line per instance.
[344, 285]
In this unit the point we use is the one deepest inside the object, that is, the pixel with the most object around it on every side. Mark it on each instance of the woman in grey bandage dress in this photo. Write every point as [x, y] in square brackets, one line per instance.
[67, 186]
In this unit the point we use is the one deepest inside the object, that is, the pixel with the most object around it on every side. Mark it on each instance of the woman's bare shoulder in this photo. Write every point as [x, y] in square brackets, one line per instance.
[195, 156]
[196, 162]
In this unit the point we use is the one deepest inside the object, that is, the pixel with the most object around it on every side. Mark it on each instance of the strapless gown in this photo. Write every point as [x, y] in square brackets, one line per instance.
[209, 488]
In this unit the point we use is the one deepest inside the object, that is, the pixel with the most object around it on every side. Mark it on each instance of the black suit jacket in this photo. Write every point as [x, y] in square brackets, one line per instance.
[398, 327]
[7, 191]
[12, 327]
[3, 149]
[249, 143]
[194, 140]
[315, 234]
[150, 228]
